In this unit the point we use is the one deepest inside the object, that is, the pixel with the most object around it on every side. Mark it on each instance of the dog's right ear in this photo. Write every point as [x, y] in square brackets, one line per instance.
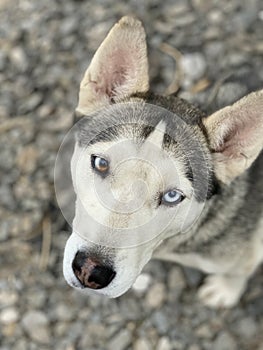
[236, 136]
[118, 69]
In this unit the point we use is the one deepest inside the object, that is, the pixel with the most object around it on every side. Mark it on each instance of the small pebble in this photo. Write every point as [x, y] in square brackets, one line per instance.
[194, 347]
[193, 65]
[27, 159]
[120, 341]
[204, 331]
[19, 59]
[156, 296]
[142, 283]
[142, 344]
[36, 325]
[247, 327]
[164, 344]
[8, 298]
[9, 315]
[224, 341]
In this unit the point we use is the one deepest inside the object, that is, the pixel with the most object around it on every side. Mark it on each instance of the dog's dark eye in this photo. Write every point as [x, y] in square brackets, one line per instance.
[172, 197]
[99, 164]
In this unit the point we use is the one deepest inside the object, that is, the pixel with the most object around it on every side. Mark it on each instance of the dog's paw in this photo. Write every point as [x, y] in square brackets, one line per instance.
[221, 291]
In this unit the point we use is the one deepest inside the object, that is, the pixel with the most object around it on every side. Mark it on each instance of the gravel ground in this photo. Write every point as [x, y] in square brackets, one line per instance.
[44, 48]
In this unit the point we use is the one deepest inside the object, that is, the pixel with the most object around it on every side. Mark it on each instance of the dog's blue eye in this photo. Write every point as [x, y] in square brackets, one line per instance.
[99, 164]
[172, 197]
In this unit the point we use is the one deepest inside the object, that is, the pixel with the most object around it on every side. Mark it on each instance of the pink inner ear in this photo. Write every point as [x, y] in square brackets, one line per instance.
[240, 134]
[235, 134]
[118, 69]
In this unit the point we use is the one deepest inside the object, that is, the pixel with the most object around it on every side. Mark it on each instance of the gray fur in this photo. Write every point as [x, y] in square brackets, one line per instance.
[226, 239]
[136, 118]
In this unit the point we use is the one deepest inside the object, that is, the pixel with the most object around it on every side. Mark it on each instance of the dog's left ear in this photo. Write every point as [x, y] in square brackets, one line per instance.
[118, 69]
[236, 136]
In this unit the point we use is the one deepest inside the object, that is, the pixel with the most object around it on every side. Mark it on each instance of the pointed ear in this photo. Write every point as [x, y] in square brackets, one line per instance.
[118, 69]
[236, 136]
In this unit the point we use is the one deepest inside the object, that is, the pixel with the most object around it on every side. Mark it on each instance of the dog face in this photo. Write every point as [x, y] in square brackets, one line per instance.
[142, 167]
[134, 185]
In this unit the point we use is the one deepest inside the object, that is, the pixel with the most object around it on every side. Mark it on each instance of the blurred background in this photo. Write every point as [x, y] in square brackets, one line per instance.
[45, 47]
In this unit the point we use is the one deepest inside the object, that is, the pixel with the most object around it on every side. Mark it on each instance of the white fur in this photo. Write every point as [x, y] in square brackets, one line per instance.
[222, 290]
[121, 213]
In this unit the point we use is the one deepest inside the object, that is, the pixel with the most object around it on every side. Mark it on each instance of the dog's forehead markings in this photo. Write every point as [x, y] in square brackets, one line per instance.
[156, 137]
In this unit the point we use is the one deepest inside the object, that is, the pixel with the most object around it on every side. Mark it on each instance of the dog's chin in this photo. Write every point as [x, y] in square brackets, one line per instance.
[111, 291]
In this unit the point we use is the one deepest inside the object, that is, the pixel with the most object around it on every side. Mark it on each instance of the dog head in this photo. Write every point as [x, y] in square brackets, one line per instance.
[143, 166]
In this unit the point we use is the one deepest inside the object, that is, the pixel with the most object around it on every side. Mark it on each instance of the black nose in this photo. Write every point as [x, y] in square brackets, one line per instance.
[90, 272]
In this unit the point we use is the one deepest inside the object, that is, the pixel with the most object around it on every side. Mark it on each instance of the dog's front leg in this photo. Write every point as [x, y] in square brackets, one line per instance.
[193, 260]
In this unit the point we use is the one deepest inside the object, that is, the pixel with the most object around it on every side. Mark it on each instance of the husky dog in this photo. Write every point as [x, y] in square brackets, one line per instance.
[155, 177]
